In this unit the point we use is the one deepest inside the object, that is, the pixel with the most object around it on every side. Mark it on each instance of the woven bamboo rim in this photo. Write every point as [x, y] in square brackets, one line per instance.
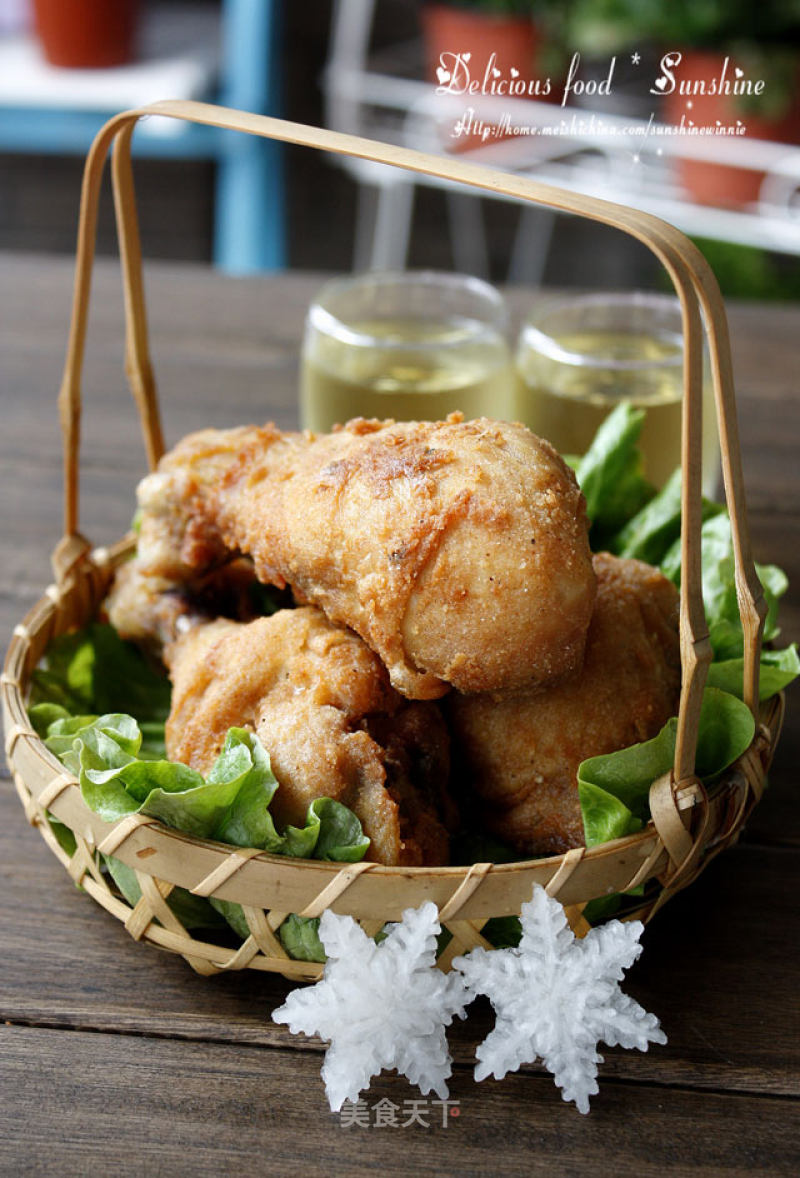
[689, 825]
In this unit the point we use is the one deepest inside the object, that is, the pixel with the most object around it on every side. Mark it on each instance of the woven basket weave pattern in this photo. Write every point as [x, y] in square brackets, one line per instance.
[688, 826]
[164, 859]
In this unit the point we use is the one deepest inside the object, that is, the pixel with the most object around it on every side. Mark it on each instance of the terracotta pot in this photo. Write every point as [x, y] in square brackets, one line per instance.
[449, 30]
[717, 184]
[88, 34]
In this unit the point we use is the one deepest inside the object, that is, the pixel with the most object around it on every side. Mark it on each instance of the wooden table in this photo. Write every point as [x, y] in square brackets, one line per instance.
[118, 1059]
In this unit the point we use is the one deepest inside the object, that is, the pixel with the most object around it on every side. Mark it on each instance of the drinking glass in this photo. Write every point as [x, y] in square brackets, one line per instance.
[578, 357]
[412, 345]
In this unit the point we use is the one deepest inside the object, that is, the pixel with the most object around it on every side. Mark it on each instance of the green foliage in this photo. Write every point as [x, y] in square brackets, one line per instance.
[501, 7]
[600, 27]
[192, 911]
[93, 671]
[299, 936]
[676, 24]
[744, 272]
[778, 669]
[614, 789]
[714, 23]
[651, 533]
[504, 932]
[230, 805]
[610, 474]
[719, 587]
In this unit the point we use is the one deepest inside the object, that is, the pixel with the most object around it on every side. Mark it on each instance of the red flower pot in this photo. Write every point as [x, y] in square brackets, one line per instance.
[476, 36]
[449, 29]
[88, 34]
[718, 184]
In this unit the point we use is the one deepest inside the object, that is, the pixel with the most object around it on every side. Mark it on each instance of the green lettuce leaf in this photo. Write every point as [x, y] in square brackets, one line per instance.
[614, 789]
[230, 805]
[299, 936]
[332, 831]
[610, 474]
[473, 846]
[42, 715]
[719, 588]
[340, 835]
[604, 907]
[192, 911]
[240, 780]
[267, 600]
[94, 672]
[64, 836]
[247, 821]
[504, 932]
[778, 669]
[605, 817]
[651, 533]
[59, 732]
[233, 914]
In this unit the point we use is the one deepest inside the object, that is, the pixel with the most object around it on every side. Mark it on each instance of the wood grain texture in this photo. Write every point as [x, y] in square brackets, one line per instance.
[697, 952]
[136, 1106]
[188, 1075]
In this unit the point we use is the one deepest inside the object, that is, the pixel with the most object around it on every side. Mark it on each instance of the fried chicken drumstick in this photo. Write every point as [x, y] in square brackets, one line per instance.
[153, 611]
[521, 752]
[457, 550]
[322, 705]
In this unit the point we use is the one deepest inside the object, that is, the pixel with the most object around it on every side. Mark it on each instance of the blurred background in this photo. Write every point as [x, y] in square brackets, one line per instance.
[369, 66]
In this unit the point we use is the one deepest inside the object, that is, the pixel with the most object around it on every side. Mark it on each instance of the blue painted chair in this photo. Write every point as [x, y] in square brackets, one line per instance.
[250, 217]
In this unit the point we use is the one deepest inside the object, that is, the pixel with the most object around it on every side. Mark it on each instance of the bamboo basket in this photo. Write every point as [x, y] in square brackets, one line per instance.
[689, 824]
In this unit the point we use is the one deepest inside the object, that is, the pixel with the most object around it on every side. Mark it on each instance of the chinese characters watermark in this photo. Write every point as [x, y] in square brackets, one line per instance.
[386, 1113]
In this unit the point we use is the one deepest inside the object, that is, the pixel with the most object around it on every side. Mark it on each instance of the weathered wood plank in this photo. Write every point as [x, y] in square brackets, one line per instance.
[79, 1103]
[729, 936]
[719, 966]
[225, 350]
[229, 347]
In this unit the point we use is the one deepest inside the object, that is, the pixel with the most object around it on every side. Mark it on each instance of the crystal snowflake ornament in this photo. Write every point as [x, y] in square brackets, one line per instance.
[381, 1006]
[556, 998]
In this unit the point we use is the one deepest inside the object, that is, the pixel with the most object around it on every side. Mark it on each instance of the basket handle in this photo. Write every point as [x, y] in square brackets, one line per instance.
[691, 276]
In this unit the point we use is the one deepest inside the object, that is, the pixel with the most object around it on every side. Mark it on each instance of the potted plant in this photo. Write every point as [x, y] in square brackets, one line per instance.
[759, 41]
[480, 28]
[86, 34]
[492, 44]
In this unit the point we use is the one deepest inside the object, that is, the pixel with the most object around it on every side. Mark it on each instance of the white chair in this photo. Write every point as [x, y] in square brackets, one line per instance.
[361, 100]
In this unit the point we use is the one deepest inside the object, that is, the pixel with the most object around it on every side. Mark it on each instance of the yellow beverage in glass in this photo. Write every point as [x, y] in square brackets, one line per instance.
[578, 358]
[412, 346]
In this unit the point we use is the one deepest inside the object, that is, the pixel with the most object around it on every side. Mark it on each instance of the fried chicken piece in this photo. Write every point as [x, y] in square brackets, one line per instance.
[457, 550]
[177, 536]
[521, 752]
[322, 706]
[153, 611]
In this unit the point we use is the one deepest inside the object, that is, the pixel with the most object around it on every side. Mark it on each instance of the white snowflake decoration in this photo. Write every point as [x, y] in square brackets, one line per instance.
[381, 1006]
[556, 998]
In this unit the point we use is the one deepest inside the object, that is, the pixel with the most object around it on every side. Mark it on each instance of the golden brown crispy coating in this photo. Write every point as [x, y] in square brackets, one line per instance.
[153, 611]
[457, 550]
[177, 537]
[521, 753]
[321, 704]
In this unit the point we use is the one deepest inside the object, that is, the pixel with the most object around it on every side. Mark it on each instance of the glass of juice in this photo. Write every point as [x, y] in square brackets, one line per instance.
[578, 357]
[412, 345]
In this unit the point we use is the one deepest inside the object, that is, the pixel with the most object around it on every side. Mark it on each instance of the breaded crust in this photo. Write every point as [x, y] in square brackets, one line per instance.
[520, 753]
[322, 706]
[457, 550]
